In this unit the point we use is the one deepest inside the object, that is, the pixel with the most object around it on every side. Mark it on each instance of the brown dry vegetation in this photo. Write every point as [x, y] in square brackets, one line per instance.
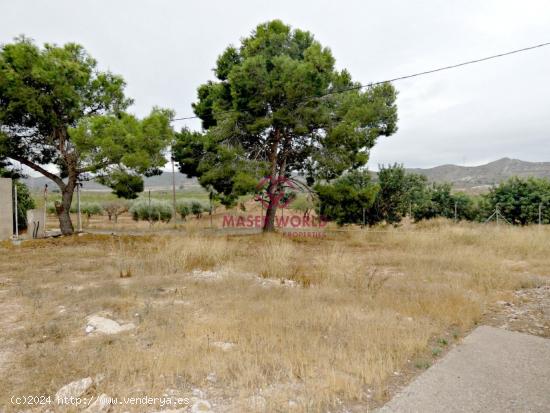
[321, 323]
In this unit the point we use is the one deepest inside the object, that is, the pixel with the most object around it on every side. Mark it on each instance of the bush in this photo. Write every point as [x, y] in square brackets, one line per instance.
[183, 209]
[88, 208]
[153, 210]
[197, 209]
[518, 200]
[115, 209]
[24, 203]
[345, 200]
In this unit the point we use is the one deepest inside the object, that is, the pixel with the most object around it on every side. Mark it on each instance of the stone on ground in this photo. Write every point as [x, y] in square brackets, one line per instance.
[106, 325]
[100, 405]
[201, 406]
[74, 389]
[492, 371]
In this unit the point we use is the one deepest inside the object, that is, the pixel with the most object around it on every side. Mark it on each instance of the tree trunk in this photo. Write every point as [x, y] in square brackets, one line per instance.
[63, 210]
[278, 168]
[269, 223]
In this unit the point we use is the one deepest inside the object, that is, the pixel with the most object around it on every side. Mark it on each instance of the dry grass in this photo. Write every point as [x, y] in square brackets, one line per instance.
[323, 323]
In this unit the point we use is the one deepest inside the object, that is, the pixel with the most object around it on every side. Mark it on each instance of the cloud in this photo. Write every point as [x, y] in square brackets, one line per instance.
[165, 49]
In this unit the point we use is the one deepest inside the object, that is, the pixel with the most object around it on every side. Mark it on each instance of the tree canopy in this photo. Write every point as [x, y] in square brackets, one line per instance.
[57, 108]
[274, 109]
[519, 200]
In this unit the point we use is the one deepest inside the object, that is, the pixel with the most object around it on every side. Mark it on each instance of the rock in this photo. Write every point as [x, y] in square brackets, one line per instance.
[198, 393]
[89, 329]
[201, 406]
[74, 389]
[100, 405]
[106, 325]
[257, 402]
[99, 378]
[223, 345]
[212, 378]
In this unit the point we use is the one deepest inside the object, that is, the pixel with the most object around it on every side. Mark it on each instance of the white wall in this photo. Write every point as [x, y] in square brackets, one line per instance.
[6, 209]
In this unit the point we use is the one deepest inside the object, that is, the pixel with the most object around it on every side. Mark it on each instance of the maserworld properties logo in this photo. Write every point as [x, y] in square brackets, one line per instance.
[291, 224]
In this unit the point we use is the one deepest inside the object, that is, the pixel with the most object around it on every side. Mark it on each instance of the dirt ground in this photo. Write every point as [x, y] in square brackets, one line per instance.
[253, 323]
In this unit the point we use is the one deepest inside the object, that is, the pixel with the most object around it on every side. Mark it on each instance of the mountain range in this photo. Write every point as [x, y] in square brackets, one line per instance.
[484, 175]
[462, 177]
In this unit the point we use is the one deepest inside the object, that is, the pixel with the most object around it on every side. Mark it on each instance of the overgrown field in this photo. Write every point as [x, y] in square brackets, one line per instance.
[256, 323]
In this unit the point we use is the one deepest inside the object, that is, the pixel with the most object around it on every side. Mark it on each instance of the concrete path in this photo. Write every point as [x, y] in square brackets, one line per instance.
[493, 370]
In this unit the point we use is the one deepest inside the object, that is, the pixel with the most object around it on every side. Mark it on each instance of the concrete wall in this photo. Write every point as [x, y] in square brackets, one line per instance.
[35, 223]
[6, 209]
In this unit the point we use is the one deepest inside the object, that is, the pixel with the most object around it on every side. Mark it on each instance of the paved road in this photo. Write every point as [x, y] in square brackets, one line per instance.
[493, 370]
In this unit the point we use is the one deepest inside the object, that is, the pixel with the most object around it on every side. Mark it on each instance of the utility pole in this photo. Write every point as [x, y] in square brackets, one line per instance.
[79, 216]
[173, 186]
[456, 211]
[16, 212]
[211, 196]
[540, 214]
[363, 217]
[45, 205]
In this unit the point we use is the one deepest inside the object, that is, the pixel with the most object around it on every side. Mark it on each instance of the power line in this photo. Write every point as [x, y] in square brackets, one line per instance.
[395, 79]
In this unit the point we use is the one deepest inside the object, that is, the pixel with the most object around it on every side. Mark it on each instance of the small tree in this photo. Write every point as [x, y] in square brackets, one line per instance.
[114, 209]
[152, 211]
[398, 192]
[57, 108]
[197, 209]
[348, 199]
[183, 209]
[519, 199]
[89, 209]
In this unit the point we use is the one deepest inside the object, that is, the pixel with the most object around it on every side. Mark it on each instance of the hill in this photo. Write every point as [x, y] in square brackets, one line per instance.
[484, 175]
[153, 183]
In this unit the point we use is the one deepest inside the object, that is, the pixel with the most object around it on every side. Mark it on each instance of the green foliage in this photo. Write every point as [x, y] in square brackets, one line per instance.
[398, 192]
[303, 203]
[24, 203]
[197, 209]
[124, 185]
[518, 200]
[441, 202]
[57, 108]
[391, 198]
[154, 210]
[348, 198]
[183, 209]
[89, 209]
[260, 116]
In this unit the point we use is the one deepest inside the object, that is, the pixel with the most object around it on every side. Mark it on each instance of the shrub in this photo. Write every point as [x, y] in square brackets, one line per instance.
[115, 209]
[183, 209]
[518, 200]
[153, 210]
[24, 203]
[197, 209]
[89, 209]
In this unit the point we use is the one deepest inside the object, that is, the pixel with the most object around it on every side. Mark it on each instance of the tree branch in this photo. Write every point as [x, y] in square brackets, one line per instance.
[39, 169]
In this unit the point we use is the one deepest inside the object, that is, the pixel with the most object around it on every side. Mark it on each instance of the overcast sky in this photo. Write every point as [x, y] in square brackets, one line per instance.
[471, 115]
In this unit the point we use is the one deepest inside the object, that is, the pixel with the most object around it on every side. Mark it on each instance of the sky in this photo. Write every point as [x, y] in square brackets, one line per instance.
[466, 116]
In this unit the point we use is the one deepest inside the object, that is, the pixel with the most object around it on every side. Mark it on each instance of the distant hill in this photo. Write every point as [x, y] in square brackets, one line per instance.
[462, 177]
[484, 175]
[153, 183]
